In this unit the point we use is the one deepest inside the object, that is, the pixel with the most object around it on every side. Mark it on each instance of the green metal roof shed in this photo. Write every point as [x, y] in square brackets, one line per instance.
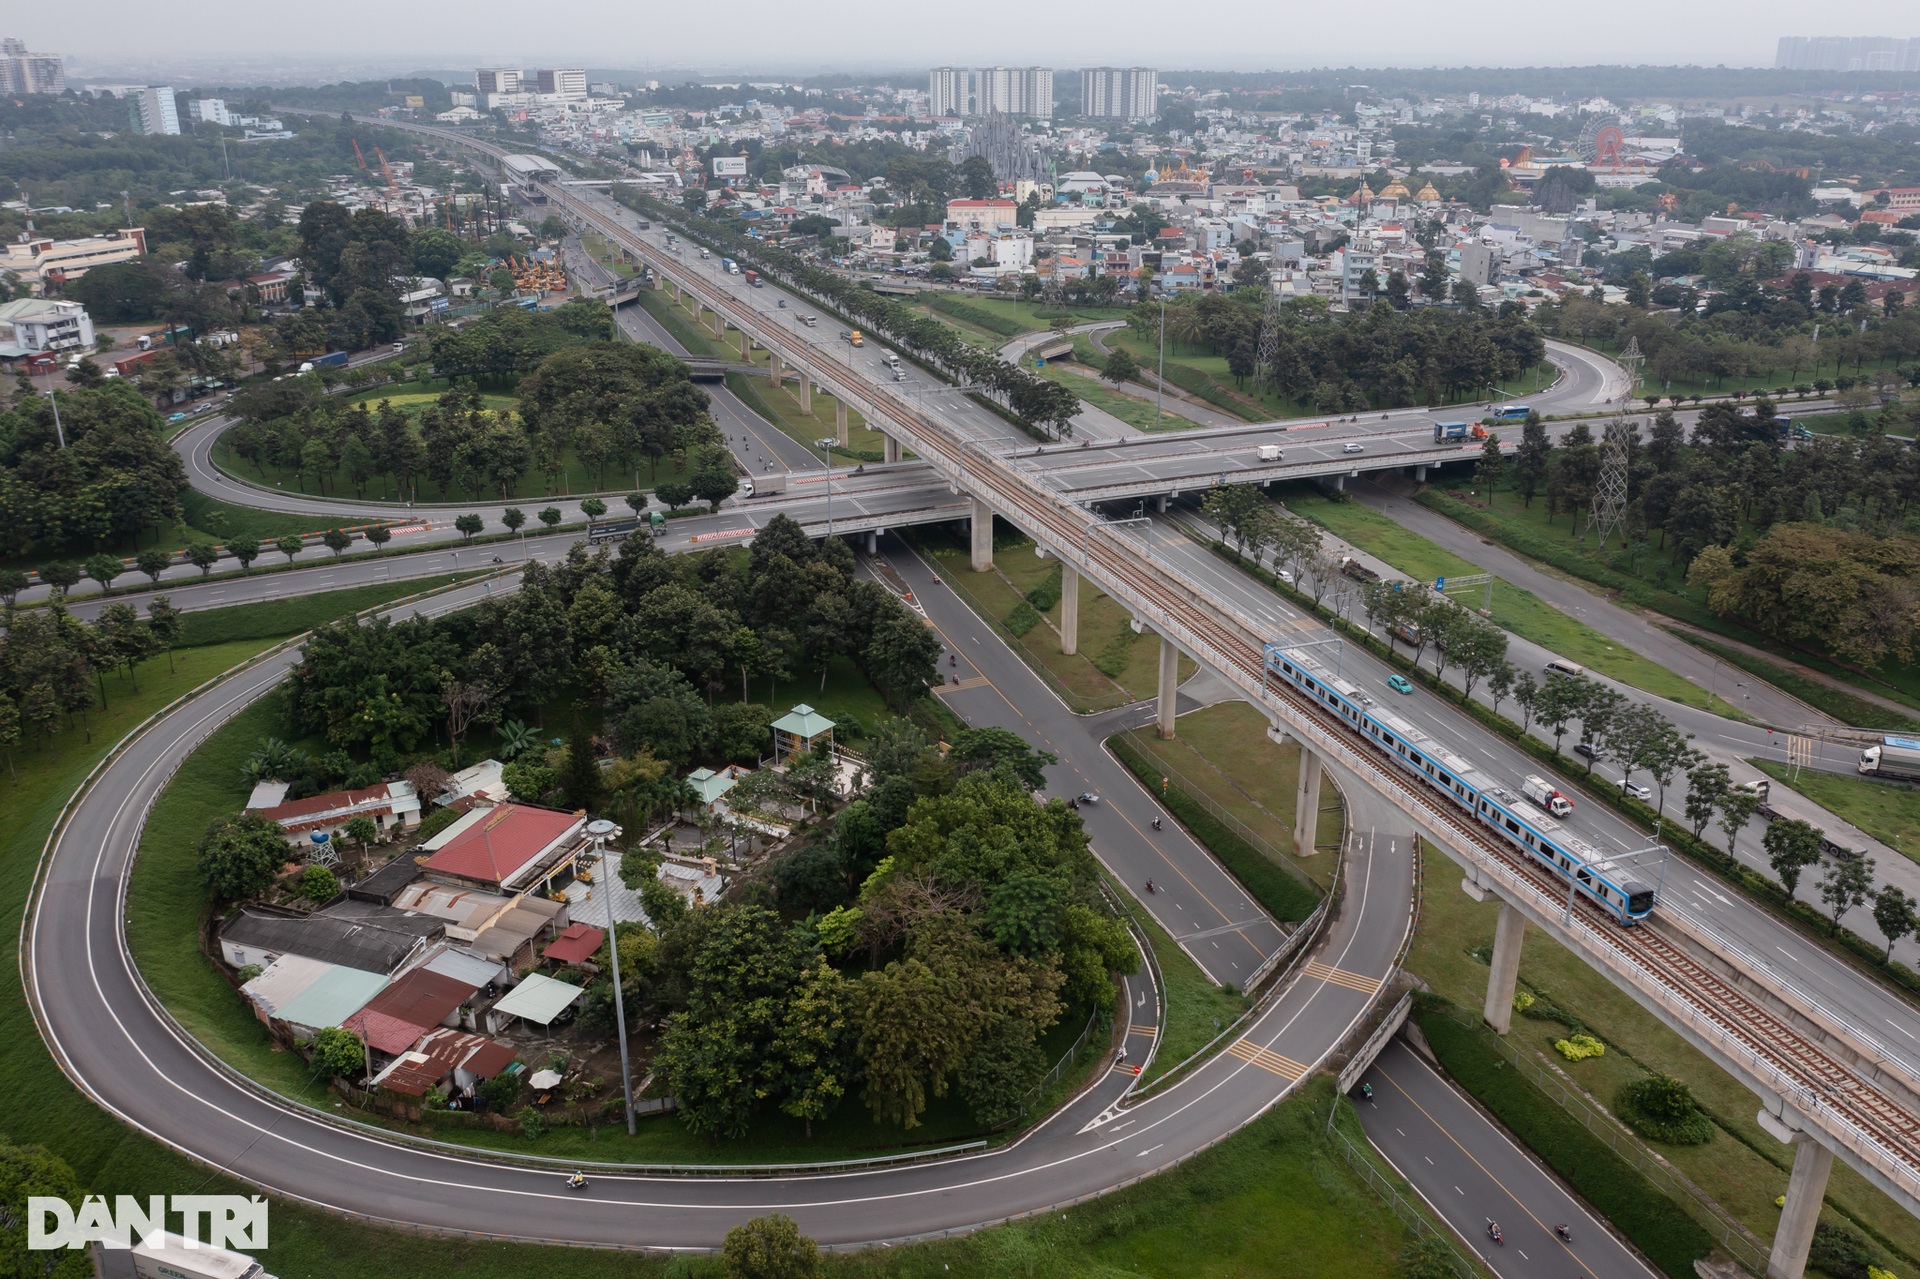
[799, 731]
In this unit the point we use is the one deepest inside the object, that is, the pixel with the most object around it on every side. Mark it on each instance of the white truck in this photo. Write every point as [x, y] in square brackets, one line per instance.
[167, 1256]
[1541, 792]
[1893, 757]
[1270, 453]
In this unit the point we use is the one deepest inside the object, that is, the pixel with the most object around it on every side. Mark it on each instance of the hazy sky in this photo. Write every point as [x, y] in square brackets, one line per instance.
[775, 36]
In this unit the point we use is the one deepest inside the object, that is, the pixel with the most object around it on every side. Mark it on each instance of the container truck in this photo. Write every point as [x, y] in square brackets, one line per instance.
[1444, 431]
[726, 264]
[331, 360]
[769, 484]
[751, 276]
[1893, 757]
[1541, 792]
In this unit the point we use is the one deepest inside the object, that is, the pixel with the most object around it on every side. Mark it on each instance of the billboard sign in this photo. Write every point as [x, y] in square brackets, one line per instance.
[729, 166]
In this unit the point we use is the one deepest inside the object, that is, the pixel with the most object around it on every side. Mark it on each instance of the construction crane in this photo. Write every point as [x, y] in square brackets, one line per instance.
[356, 155]
[393, 188]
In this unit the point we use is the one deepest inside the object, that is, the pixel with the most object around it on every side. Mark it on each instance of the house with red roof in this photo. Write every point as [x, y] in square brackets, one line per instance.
[400, 1014]
[509, 848]
[443, 1056]
[392, 805]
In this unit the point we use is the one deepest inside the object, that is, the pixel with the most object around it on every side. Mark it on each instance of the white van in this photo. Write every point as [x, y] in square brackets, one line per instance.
[1560, 666]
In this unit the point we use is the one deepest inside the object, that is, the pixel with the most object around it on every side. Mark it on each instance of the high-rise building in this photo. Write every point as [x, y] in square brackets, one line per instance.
[1119, 93]
[497, 80]
[152, 110]
[210, 111]
[965, 91]
[567, 83]
[24, 72]
[1848, 53]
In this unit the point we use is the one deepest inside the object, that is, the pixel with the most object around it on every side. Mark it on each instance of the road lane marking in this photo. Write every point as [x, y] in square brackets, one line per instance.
[1253, 1054]
[1341, 977]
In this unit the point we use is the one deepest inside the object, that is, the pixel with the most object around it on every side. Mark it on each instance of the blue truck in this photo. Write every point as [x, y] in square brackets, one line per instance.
[1443, 431]
[331, 360]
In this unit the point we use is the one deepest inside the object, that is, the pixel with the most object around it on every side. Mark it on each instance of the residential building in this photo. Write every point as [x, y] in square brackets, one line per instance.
[153, 111]
[298, 996]
[29, 326]
[210, 111]
[1119, 93]
[358, 935]
[43, 260]
[569, 84]
[445, 1056]
[508, 848]
[968, 216]
[392, 805]
[418, 1001]
[24, 72]
[964, 91]
[1478, 262]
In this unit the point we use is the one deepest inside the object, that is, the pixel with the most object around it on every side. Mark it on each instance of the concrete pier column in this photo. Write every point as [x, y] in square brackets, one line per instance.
[1339, 483]
[889, 448]
[1160, 504]
[840, 422]
[1169, 687]
[1069, 609]
[720, 326]
[1420, 473]
[746, 347]
[1504, 972]
[778, 367]
[873, 542]
[982, 536]
[1306, 804]
[806, 392]
[1808, 1187]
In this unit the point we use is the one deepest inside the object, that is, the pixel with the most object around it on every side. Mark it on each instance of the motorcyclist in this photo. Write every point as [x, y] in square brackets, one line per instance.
[1156, 823]
[1366, 1091]
[578, 1181]
[1564, 1231]
[1493, 1231]
[1150, 887]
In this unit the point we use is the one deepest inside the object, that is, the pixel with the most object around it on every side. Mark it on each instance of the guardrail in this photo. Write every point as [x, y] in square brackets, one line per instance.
[1410, 1216]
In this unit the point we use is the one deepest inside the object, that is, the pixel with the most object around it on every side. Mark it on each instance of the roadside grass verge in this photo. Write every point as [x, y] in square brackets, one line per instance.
[1514, 609]
[1194, 1009]
[1660, 1228]
[1658, 584]
[1742, 1169]
[1839, 703]
[274, 619]
[1017, 315]
[1285, 895]
[780, 406]
[1131, 409]
[677, 321]
[1887, 811]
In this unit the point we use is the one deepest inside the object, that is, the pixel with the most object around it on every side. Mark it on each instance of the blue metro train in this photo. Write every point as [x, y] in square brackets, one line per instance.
[1542, 839]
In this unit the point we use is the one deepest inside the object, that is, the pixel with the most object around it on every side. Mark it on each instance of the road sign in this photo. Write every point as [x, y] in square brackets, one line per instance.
[1439, 583]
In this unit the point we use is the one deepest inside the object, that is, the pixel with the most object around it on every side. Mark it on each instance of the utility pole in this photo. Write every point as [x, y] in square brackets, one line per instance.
[1160, 382]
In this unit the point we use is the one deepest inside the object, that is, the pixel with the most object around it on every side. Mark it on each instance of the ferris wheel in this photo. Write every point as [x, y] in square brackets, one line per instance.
[1601, 142]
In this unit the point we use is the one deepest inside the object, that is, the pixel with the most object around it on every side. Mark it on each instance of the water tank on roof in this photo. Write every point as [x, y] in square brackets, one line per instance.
[318, 836]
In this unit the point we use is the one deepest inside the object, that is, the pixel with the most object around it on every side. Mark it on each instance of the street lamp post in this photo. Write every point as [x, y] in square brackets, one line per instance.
[826, 443]
[52, 398]
[1160, 381]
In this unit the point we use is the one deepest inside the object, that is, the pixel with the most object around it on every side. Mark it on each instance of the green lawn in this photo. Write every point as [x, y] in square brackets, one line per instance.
[1655, 581]
[1223, 754]
[1887, 811]
[698, 339]
[296, 613]
[1037, 316]
[1742, 1168]
[1765, 381]
[1195, 1009]
[1519, 611]
[1134, 410]
[1839, 703]
[781, 406]
[1114, 666]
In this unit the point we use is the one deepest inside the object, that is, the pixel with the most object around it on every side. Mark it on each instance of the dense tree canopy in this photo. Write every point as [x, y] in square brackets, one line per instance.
[117, 478]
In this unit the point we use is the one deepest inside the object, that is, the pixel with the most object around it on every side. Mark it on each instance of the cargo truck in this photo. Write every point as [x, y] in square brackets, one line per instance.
[1444, 431]
[331, 360]
[751, 276]
[1357, 571]
[768, 484]
[1541, 792]
[1270, 453]
[1893, 757]
[167, 1256]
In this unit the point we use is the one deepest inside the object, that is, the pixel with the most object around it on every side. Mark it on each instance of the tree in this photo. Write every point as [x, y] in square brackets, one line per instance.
[288, 545]
[1707, 785]
[1556, 704]
[582, 776]
[61, 576]
[637, 503]
[1531, 460]
[203, 556]
[1120, 366]
[712, 479]
[468, 525]
[1894, 915]
[995, 748]
[1847, 883]
[1791, 846]
[549, 516]
[336, 540]
[337, 1053]
[1492, 465]
[1736, 810]
[245, 550]
[27, 1173]
[513, 517]
[240, 855]
[12, 582]
[769, 1247]
[165, 625]
[103, 569]
[153, 562]
[378, 535]
[593, 508]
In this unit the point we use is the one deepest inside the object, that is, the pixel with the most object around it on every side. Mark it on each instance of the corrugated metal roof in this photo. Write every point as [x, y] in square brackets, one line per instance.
[538, 999]
[332, 997]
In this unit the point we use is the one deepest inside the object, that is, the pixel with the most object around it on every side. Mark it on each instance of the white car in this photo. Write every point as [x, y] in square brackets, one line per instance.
[1639, 792]
[1353, 446]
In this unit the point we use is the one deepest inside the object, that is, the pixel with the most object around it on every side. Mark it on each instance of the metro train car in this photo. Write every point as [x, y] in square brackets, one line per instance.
[1540, 838]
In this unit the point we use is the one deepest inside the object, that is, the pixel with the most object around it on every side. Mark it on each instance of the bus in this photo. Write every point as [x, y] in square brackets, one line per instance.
[1510, 413]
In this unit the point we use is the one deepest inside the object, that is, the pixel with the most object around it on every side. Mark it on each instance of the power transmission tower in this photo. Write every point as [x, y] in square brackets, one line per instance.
[1609, 509]
[1266, 359]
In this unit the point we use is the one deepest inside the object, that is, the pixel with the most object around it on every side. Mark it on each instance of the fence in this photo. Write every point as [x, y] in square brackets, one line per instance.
[1059, 1068]
[1273, 852]
[1734, 1239]
[1409, 1214]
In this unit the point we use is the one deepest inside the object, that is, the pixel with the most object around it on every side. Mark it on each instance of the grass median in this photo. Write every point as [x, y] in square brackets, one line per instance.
[1887, 811]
